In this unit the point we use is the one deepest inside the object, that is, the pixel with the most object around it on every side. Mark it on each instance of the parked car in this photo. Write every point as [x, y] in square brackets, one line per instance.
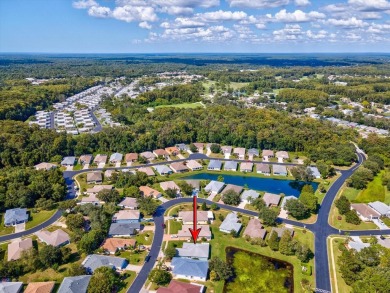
[147, 258]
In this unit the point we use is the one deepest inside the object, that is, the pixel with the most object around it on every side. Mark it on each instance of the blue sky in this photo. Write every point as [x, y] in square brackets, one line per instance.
[154, 26]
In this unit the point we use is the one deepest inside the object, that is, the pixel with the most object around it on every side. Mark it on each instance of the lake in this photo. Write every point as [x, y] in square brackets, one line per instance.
[288, 187]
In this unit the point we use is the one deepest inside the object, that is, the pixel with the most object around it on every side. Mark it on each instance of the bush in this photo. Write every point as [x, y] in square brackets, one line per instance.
[352, 217]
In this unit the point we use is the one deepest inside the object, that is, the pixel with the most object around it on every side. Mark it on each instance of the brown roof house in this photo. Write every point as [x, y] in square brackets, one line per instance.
[281, 230]
[282, 155]
[169, 185]
[246, 167]
[365, 212]
[178, 167]
[161, 153]
[15, 248]
[147, 170]
[184, 233]
[108, 174]
[255, 229]
[97, 188]
[56, 238]
[131, 157]
[129, 203]
[148, 156]
[112, 245]
[238, 189]
[194, 165]
[263, 169]
[94, 177]
[199, 146]
[45, 166]
[271, 199]
[85, 159]
[239, 152]
[267, 154]
[148, 191]
[203, 217]
[100, 159]
[174, 151]
[181, 287]
[40, 287]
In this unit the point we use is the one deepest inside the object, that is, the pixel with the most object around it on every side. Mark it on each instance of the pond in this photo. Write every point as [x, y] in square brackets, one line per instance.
[288, 187]
[257, 273]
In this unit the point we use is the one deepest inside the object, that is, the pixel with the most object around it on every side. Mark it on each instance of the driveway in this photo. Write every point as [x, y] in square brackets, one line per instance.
[133, 268]
[180, 156]
[86, 166]
[101, 165]
[69, 168]
[118, 164]
[380, 224]
[20, 227]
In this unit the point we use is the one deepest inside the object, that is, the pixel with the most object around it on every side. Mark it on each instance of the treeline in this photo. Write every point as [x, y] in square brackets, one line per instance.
[306, 98]
[29, 188]
[19, 99]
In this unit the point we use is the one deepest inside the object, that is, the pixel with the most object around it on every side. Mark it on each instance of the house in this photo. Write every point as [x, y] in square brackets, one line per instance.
[365, 212]
[100, 159]
[214, 187]
[85, 159]
[95, 261]
[279, 170]
[230, 166]
[174, 151]
[147, 191]
[380, 207]
[40, 287]
[237, 189]
[116, 158]
[190, 269]
[226, 150]
[15, 216]
[214, 165]
[187, 217]
[16, 247]
[161, 153]
[108, 174]
[271, 199]
[129, 203]
[94, 177]
[199, 146]
[147, 170]
[126, 216]
[285, 199]
[11, 287]
[315, 172]
[248, 195]
[184, 233]
[148, 156]
[163, 169]
[240, 153]
[123, 229]
[282, 155]
[77, 284]
[169, 185]
[281, 230]
[97, 188]
[253, 153]
[181, 287]
[68, 161]
[112, 245]
[266, 154]
[178, 167]
[194, 165]
[255, 229]
[197, 251]
[246, 167]
[45, 166]
[195, 184]
[182, 147]
[263, 169]
[230, 223]
[358, 246]
[92, 199]
[131, 157]
[55, 238]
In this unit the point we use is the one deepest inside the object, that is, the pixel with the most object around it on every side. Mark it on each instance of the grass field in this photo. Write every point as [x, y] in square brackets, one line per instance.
[4, 230]
[174, 226]
[128, 281]
[134, 257]
[333, 243]
[350, 193]
[183, 106]
[38, 218]
[374, 191]
[142, 239]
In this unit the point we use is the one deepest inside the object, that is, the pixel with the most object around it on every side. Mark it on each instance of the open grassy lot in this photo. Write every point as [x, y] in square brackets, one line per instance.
[182, 106]
[134, 257]
[38, 217]
[143, 238]
[350, 193]
[5, 230]
[374, 191]
[337, 282]
[174, 226]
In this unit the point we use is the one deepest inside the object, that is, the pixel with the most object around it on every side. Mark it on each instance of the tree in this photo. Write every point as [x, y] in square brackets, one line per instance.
[302, 173]
[296, 209]
[76, 270]
[372, 165]
[233, 233]
[222, 269]
[132, 191]
[309, 200]
[172, 193]
[204, 206]
[303, 252]
[343, 205]
[231, 197]
[185, 188]
[147, 204]
[286, 245]
[193, 148]
[104, 280]
[220, 178]
[350, 266]
[160, 277]
[352, 217]
[215, 148]
[67, 204]
[369, 256]
[109, 195]
[50, 255]
[170, 252]
[258, 203]
[75, 222]
[268, 216]
[373, 280]
[273, 241]
[360, 178]
[214, 206]
[91, 241]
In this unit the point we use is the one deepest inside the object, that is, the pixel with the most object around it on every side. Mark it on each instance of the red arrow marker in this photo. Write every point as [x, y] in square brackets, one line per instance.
[195, 232]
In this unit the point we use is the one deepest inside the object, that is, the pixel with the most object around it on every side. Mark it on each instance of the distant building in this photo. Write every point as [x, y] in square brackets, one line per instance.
[45, 166]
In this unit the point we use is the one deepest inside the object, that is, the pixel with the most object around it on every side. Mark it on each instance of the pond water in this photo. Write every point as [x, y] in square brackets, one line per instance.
[258, 273]
[288, 187]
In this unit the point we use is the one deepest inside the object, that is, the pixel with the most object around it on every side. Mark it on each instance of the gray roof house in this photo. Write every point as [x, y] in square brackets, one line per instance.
[15, 216]
[285, 199]
[263, 169]
[77, 284]
[214, 187]
[230, 223]
[95, 261]
[191, 250]
[236, 188]
[279, 170]
[271, 199]
[190, 269]
[123, 229]
[11, 287]
[214, 165]
[163, 169]
[116, 158]
[253, 152]
[68, 161]
[230, 166]
[129, 203]
[380, 207]
[182, 147]
[249, 194]
[315, 172]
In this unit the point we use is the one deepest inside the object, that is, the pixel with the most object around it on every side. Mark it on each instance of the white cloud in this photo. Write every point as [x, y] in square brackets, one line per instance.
[352, 22]
[298, 16]
[257, 3]
[289, 32]
[322, 34]
[187, 3]
[370, 5]
[302, 2]
[183, 22]
[99, 11]
[83, 4]
[379, 28]
[177, 10]
[135, 13]
[221, 15]
[145, 25]
[211, 34]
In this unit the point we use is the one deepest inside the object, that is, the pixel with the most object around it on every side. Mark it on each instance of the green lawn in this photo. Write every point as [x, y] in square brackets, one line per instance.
[333, 243]
[350, 193]
[38, 218]
[4, 230]
[174, 226]
[142, 239]
[343, 225]
[182, 106]
[128, 281]
[133, 256]
[387, 196]
[374, 191]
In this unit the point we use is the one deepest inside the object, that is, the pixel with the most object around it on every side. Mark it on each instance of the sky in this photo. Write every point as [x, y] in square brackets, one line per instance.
[190, 26]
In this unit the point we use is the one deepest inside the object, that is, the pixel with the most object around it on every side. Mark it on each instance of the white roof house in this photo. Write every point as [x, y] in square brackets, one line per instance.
[381, 208]
[214, 187]
[230, 223]
[249, 194]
